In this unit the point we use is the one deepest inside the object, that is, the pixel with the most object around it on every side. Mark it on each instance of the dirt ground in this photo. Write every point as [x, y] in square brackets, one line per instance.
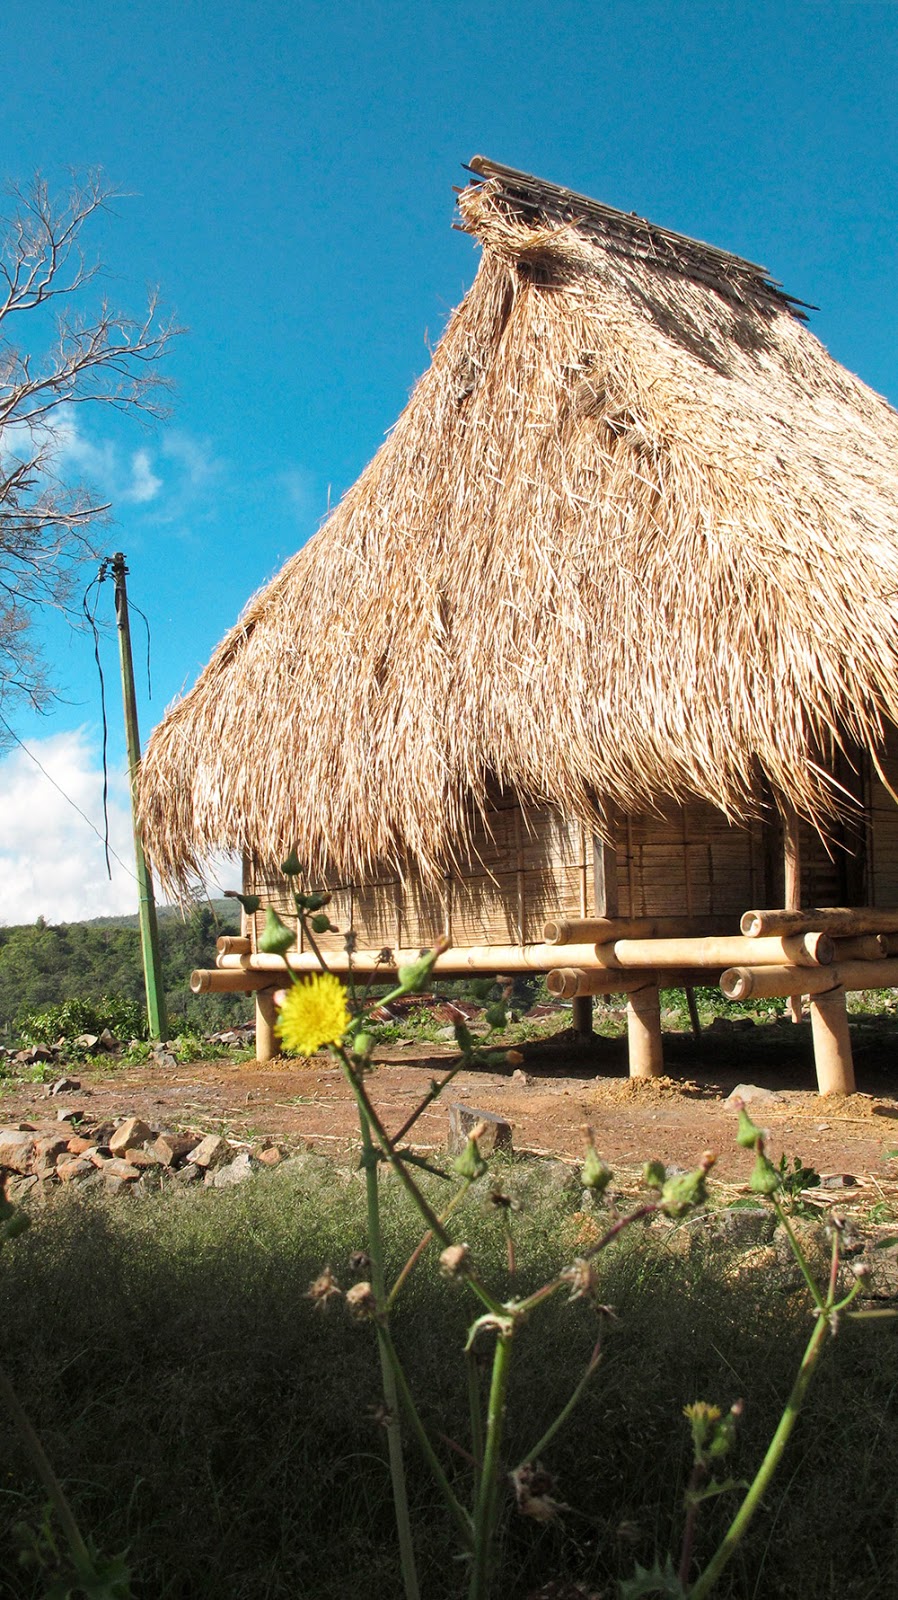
[560, 1088]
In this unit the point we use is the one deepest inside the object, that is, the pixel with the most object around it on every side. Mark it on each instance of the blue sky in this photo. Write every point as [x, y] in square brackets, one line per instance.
[287, 172]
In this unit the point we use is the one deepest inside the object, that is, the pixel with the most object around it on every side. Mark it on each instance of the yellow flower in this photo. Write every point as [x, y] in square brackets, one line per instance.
[312, 1014]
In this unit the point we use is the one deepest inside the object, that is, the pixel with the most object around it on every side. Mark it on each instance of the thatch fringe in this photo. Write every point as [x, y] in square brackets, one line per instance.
[632, 537]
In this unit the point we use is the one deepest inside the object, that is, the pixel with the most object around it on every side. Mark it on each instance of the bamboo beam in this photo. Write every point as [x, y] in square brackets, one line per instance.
[457, 962]
[239, 980]
[863, 947]
[833, 1059]
[230, 945]
[838, 921]
[604, 930]
[569, 983]
[811, 950]
[644, 1042]
[743, 982]
[765, 983]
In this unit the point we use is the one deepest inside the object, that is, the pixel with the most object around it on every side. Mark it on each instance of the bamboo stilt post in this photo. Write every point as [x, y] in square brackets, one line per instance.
[792, 874]
[832, 1043]
[644, 1041]
[692, 1008]
[267, 1044]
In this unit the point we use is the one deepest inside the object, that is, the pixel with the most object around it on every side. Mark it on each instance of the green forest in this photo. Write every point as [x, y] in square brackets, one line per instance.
[42, 964]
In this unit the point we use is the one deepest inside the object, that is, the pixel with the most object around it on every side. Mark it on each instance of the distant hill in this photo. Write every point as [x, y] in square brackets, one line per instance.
[42, 964]
[226, 912]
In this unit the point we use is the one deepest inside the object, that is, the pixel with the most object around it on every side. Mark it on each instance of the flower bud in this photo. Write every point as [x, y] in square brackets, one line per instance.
[413, 977]
[595, 1173]
[362, 1046]
[495, 1016]
[764, 1178]
[291, 866]
[654, 1174]
[276, 938]
[746, 1133]
[321, 923]
[324, 1288]
[684, 1191]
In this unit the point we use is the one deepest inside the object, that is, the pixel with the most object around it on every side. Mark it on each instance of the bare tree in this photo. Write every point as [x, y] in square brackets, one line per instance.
[56, 353]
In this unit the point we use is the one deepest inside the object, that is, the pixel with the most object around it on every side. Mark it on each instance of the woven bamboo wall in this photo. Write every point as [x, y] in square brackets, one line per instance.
[530, 864]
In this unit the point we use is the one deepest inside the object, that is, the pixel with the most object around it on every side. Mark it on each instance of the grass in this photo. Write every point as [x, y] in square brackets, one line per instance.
[205, 1416]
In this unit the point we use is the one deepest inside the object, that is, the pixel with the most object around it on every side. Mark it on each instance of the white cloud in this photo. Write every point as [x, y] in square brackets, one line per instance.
[51, 862]
[144, 484]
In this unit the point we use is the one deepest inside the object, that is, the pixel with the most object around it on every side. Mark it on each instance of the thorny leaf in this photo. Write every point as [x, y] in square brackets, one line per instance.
[655, 1580]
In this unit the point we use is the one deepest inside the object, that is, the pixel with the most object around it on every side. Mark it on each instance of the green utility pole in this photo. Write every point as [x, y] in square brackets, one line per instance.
[149, 930]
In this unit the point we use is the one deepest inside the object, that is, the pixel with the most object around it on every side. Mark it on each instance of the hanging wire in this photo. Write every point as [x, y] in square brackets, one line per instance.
[133, 607]
[91, 616]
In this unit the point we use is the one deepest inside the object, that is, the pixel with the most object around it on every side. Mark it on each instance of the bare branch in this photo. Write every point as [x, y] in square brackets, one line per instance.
[90, 356]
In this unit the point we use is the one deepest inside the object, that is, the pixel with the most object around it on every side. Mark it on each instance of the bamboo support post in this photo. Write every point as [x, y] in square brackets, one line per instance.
[810, 949]
[231, 945]
[837, 921]
[832, 1043]
[267, 1044]
[694, 1019]
[792, 883]
[582, 1017]
[646, 1050]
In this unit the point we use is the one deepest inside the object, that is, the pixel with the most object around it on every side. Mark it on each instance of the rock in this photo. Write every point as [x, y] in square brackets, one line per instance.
[113, 1183]
[74, 1167]
[191, 1173]
[237, 1171]
[210, 1152]
[462, 1121]
[48, 1148]
[41, 1052]
[87, 1041]
[99, 1154]
[520, 1077]
[79, 1146]
[107, 1040]
[838, 1180]
[16, 1149]
[67, 1114]
[18, 1188]
[170, 1148]
[749, 1094]
[118, 1168]
[132, 1133]
[271, 1156]
[63, 1086]
[143, 1159]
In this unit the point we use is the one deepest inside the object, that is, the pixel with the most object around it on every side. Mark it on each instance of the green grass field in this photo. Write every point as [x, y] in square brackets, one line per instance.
[208, 1419]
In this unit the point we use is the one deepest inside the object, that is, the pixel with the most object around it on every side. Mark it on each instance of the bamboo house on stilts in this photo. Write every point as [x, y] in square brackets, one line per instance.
[599, 653]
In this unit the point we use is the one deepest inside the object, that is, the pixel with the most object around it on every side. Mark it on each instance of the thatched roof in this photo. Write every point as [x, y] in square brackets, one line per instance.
[634, 535]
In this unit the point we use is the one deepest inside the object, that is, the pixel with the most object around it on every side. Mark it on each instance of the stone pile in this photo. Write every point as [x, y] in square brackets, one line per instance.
[123, 1156]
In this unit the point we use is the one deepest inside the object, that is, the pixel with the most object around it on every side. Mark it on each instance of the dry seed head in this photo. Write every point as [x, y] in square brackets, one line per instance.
[360, 1300]
[454, 1260]
[324, 1288]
